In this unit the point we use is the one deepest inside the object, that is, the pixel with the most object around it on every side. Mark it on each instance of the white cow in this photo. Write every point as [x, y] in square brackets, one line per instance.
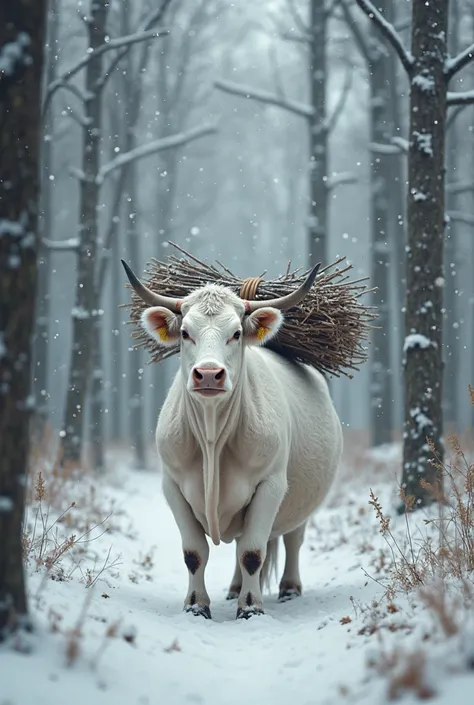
[249, 442]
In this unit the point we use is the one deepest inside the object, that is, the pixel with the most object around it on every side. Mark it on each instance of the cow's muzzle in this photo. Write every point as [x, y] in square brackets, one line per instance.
[209, 381]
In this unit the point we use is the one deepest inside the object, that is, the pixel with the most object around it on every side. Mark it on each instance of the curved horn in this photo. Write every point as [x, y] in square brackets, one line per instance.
[149, 296]
[288, 301]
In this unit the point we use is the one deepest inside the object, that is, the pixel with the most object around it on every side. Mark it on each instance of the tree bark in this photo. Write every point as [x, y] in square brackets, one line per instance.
[22, 25]
[318, 135]
[424, 319]
[84, 310]
[381, 391]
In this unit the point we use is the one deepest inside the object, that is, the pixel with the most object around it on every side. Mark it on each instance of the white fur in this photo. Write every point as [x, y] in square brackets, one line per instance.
[254, 463]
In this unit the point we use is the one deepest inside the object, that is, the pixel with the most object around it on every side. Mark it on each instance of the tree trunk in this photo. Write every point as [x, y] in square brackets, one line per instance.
[41, 341]
[318, 167]
[83, 312]
[381, 374]
[451, 324]
[22, 25]
[424, 298]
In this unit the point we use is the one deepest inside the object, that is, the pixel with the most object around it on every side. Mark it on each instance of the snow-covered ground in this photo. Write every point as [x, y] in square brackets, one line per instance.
[127, 640]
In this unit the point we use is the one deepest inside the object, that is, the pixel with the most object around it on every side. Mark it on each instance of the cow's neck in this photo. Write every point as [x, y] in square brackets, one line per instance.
[212, 424]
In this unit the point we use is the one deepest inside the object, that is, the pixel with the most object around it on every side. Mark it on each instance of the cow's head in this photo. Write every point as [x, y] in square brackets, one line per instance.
[213, 326]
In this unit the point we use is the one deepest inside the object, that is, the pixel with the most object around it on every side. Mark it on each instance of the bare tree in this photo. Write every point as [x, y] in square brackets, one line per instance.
[40, 369]
[381, 131]
[91, 177]
[314, 36]
[21, 62]
[429, 71]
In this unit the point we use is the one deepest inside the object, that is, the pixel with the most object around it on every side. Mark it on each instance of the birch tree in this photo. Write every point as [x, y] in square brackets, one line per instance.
[429, 70]
[22, 26]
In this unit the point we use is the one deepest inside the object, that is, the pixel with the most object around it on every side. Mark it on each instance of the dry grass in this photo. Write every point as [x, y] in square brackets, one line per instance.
[327, 330]
[64, 515]
[436, 568]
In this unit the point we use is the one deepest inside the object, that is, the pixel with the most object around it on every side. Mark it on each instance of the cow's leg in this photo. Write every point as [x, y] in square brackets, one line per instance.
[195, 549]
[252, 544]
[236, 583]
[290, 584]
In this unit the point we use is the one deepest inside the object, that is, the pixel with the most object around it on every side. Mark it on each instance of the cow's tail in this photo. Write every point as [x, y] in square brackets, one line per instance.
[270, 566]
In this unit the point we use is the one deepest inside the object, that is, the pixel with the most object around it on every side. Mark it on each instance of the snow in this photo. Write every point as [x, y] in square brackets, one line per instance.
[416, 340]
[13, 53]
[426, 83]
[11, 227]
[424, 142]
[129, 641]
[6, 504]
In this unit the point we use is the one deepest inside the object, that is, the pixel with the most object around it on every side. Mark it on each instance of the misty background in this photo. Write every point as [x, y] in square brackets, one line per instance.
[241, 194]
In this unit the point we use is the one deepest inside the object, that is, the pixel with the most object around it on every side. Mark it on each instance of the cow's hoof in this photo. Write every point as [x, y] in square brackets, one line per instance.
[233, 593]
[198, 611]
[247, 612]
[287, 595]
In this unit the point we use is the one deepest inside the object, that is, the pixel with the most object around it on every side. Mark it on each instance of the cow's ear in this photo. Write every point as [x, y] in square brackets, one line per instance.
[162, 325]
[262, 325]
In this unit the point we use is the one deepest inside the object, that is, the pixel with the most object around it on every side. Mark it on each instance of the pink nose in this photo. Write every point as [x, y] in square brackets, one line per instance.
[205, 378]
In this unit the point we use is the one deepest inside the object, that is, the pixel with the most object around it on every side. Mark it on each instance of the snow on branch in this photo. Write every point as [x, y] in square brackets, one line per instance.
[389, 32]
[293, 106]
[345, 177]
[145, 150]
[456, 63]
[71, 244]
[108, 46]
[397, 145]
[460, 98]
[461, 217]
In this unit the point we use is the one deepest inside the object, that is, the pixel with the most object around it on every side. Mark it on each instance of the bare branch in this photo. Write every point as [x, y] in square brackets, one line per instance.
[397, 145]
[345, 177]
[358, 35]
[459, 98]
[402, 144]
[389, 32]
[108, 46]
[70, 245]
[340, 105]
[77, 173]
[299, 22]
[293, 106]
[159, 145]
[455, 64]
[153, 19]
[460, 187]
[461, 217]
[453, 114]
[294, 37]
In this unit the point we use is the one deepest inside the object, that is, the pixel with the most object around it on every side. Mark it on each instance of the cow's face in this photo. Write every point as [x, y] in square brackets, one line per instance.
[213, 330]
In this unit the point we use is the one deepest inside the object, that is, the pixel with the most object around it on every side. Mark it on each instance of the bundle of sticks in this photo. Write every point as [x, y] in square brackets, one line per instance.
[327, 330]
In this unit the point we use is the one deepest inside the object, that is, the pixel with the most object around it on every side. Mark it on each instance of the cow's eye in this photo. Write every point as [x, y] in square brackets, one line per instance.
[184, 334]
[237, 335]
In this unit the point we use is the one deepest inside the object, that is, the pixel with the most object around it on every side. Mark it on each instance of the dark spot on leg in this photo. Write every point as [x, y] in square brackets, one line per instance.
[249, 599]
[192, 599]
[251, 561]
[192, 560]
